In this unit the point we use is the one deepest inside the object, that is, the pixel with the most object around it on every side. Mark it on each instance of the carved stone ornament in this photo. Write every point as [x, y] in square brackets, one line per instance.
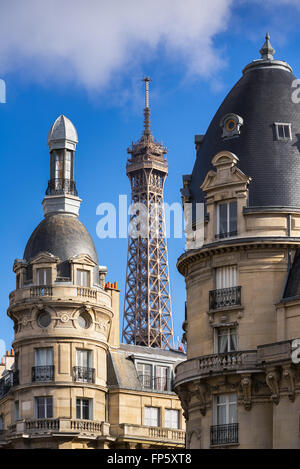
[246, 382]
[288, 373]
[201, 393]
[195, 431]
[272, 380]
[64, 317]
[185, 398]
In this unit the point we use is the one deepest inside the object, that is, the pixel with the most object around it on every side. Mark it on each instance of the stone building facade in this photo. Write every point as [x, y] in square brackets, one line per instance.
[240, 385]
[68, 382]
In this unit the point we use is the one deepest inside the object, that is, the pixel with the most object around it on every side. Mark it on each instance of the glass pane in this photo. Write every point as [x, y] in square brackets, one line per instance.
[286, 131]
[280, 131]
[83, 278]
[221, 414]
[222, 341]
[58, 166]
[171, 418]
[233, 340]
[233, 216]
[232, 413]
[68, 165]
[222, 218]
[49, 414]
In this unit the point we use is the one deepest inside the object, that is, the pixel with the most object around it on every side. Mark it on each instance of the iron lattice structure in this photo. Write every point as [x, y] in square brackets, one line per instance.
[147, 307]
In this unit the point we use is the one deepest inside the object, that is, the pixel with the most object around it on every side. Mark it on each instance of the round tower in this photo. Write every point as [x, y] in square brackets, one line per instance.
[64, 319]
[239, 386]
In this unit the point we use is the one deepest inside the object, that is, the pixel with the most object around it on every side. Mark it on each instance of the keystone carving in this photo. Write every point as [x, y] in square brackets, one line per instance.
[272, 380]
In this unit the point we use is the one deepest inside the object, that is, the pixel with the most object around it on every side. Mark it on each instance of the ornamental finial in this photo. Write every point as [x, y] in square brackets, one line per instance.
[267, 50]
[147, 109]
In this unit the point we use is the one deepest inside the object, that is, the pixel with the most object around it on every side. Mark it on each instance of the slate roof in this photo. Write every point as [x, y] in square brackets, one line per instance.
[261, 97]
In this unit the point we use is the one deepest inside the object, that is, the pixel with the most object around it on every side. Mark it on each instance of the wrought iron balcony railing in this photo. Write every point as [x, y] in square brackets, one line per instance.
[43, 373]
[84, 374]
[224, 297]
[61, 186]
[227, 234]
[159, 384]
[224, 434]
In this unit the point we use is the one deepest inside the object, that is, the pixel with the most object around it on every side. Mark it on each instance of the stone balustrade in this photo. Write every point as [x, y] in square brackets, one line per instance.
[209, 365]
[60, 425]
[166, 435]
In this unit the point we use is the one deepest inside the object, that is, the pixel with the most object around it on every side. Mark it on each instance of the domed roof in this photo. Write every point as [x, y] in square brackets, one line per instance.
[262, 98]
[63, 236]
[62, 134]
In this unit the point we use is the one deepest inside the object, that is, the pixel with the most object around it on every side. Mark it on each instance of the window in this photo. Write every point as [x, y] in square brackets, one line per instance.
[226, 338]
[43, 276]
[225, 411]
[58, 166]
[43, 356]
[227, 219]
[172, 418]
[43, 407]
[1, 423]
[68, 165]
[84, 409]
[84, 320]
[145, 374]
[151, 417]
[17, 415]
[283, 131]
[83, 370]
[44, 319]
[226, 277]
[84, 358]
[161, 378]
[83, 278]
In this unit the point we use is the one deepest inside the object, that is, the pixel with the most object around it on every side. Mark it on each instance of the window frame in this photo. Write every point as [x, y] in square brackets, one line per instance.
[228, 219]
[79, 278]
[150, 418]
[81, 409]
[227, 405]
[283, 124]
[46, 274]
[217, 338]
[177, 427]
[48, 403]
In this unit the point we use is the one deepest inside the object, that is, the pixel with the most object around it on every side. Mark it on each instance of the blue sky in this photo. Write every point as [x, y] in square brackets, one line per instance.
[87, 63]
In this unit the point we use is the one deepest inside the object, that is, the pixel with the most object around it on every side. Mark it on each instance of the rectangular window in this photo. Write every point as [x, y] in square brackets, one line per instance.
[226, 277]
[17, 415]
[58, 166]
[283, 131]
[226, 339]
[44, 407]
[145, 374]
[151, 417]
[68, 165]
[162, 378]
[43, 356]
[84, 358]
[225, 409]
[43, 276]
[83, 278]
[84, 409]
[172, 418]
[227, 219]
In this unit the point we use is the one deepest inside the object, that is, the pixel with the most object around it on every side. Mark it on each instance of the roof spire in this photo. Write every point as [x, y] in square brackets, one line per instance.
[147, 130]
[267, 50]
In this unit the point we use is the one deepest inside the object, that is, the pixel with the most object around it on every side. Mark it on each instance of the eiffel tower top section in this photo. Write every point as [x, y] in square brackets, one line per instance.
[147, 152]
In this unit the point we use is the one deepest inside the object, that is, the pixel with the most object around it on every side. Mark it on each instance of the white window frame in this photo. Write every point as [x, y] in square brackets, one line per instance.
[90, 408]
[228, 216]
[284, 124]
[226, 277]
[43, 273]
[174, 420]
[230, 400]
[80, 277]
[45, 405]
[217, 335]
[43, 356]
[152, 420]
[80, 353]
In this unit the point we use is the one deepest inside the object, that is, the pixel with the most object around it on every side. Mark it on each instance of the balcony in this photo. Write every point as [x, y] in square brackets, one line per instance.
[158, 384]
[224, 298]
[61, 186]
[38, 427]
[42, 373]
[209, 365]
[87, 292]
[224, 434]
[143, 433]
[84, 374]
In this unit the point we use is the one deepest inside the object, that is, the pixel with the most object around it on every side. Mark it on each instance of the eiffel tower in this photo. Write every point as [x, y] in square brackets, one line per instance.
[147, 316]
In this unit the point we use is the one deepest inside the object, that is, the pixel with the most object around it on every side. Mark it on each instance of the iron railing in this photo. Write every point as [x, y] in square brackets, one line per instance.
[224, 434]
[61, 186]
[226, 234]
[160, 384]
[43, 373]
[84, 374]
[224, 297]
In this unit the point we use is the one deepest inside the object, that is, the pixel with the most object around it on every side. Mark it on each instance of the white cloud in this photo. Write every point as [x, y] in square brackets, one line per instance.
[94, 42]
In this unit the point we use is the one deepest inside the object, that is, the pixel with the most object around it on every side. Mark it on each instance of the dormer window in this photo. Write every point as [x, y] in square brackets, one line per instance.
[226, 219]
[283, 131]
[43, 276]
[83, 278]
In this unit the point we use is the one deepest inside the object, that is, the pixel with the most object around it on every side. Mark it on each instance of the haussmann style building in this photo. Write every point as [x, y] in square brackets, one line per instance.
[240, 386]
[68, 382]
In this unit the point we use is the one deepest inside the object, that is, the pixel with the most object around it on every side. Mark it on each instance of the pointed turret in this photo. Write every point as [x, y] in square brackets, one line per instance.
[267, 52]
